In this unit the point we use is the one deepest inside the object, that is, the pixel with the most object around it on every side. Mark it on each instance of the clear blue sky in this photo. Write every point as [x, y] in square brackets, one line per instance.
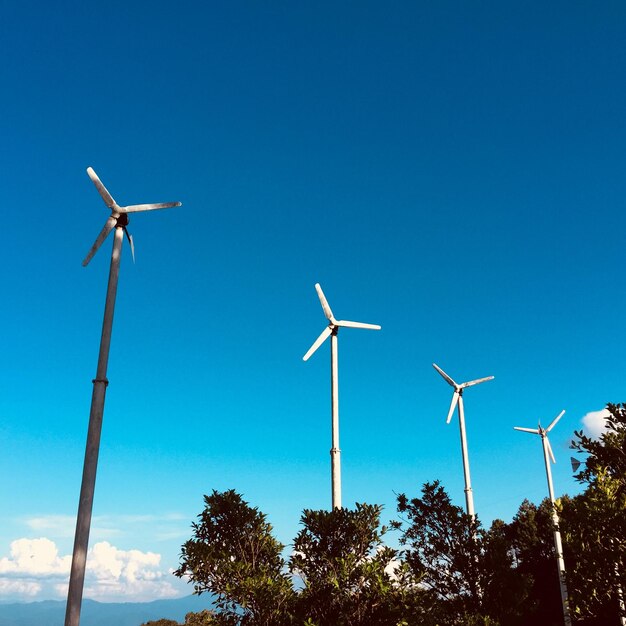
[454, 172]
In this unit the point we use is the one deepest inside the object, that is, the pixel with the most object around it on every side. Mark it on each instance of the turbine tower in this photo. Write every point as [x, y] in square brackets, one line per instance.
[457, 400]
[331, 330]
[558, 547]
[118, 220]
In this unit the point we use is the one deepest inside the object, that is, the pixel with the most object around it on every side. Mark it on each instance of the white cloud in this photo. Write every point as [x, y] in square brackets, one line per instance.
[34, 557]
[126, 574]
[391, 567]
[594, 422]
[19, 588]
[56, 525]
[162, 527]
[172, 534]
[35, 568]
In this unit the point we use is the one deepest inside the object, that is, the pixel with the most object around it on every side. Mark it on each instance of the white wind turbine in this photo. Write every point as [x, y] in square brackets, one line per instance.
[331, 330]
[457, 400]
[558, 547]
[118, 220]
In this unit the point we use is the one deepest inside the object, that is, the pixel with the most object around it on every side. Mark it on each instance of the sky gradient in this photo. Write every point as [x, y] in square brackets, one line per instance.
[454, 173]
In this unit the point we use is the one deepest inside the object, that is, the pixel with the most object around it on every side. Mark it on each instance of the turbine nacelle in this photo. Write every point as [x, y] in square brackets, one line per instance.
[333, 324]
[119, 215]
[543, 432]
[457, 396]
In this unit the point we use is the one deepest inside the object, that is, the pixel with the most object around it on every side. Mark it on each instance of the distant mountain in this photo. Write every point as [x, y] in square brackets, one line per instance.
[52, 613]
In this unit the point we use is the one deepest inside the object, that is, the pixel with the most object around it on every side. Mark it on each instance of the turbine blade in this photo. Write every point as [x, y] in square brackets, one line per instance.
[130, 241]
[471, 383]
[555, 420]
[455, 399]
[135, 208]
[102, 190]
[527, 430]
[108, 227]
[347, 324]
[327, 312]
[445, 376]
[318, 342]
[550, 450]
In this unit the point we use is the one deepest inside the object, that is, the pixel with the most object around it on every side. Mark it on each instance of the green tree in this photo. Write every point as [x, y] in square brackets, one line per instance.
[478, 576]
[234, 555]
[530, 537]
[595, 523]
[347, 572]
[443, 549]
[504, 588]
[606, 455]
[203, 618]
[588, 523]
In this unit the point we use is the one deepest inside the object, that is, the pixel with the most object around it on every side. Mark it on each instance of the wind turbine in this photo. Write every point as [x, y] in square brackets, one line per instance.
[457, 400]
[118, 220]
[331, 330]
[558, 547]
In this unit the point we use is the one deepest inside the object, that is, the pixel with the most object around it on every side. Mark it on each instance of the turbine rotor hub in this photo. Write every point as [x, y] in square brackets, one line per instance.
[122, 220]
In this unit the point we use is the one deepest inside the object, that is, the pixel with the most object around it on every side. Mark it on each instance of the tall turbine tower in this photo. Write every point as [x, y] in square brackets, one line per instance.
[118, 220]
[457, 400]
[558, 547]
[331, 330]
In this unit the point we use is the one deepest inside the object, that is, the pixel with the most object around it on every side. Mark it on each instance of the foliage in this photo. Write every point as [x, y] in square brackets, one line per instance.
[443, 552]
[347, 572]
[234, 556]
[530, 536]
[606, 454]
[504, 575]
[595, 522]
[588, 523]
[450, 571]
[504, 589]
[203, 618]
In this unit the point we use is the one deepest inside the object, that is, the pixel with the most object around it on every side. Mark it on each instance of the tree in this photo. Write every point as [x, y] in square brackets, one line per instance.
[588, 522]
[478, 576]
[606, 454]
[504, 588]
[346, 570]
[234, 555]
[530, 537]
[595, 522]
[203, 618]
[442, 553]
[449, 572]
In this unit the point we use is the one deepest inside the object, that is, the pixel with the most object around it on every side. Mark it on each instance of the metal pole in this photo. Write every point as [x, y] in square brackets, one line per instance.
[469, 496]
[85, 505]
[335, 452]
[558, 546]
